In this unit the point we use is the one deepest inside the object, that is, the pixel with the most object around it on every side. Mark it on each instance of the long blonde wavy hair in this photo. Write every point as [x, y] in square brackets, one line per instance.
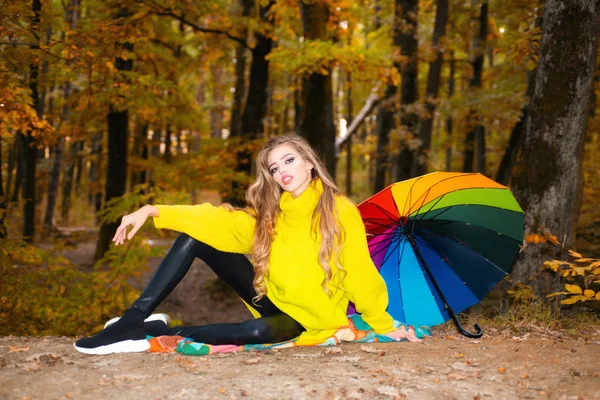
[263, 197]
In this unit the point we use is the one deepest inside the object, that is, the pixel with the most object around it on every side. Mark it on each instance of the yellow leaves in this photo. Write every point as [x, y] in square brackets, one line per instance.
[573, 289]
[537, 238]
[582, 277]
[589, 293]
[574, 254]
[574, 299]
[552, 265]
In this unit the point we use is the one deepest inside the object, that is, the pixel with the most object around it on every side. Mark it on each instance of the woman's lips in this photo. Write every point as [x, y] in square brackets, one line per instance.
[286, 179]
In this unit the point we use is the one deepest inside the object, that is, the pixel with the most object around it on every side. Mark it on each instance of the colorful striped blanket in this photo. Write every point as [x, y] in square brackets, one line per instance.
[356, 331]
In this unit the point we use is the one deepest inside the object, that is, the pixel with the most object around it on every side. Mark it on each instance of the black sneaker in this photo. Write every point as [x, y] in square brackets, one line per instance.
[120, 337]
[124, 335]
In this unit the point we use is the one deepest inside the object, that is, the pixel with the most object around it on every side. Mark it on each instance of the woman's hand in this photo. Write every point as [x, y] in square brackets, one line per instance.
[404, 332]
[135, 219]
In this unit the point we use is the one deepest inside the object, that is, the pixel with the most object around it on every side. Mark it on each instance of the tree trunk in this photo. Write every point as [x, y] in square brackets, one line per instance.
[20, 176]
[449, 119]
[58, 158]
[477, 131]
[143, 177]
[12, 159]
[349, 144]
[95, 193]
[385, 123]
[29, 145]
[53, 188]
[433, 85]
[406, 39]
[168, 132]
[256, 102]
[116, 169]
[548, 178]
[79, 165]
[316, 106]
[19, 138]
[237, 106]
[517, 135]
[67, 187]
[216, 112]
[140, 149]
[178, 148]
[2, 200]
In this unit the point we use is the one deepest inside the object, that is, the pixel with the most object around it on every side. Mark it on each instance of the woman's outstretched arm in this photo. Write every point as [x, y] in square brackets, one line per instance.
[226, 230]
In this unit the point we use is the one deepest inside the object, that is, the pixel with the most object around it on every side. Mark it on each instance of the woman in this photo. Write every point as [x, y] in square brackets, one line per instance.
[309, 259]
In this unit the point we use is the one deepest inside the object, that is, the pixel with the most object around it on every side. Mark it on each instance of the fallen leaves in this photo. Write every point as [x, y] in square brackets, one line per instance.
[251, 361]
[457, 376]
[333, 350]
[13, 349]
[373, 350]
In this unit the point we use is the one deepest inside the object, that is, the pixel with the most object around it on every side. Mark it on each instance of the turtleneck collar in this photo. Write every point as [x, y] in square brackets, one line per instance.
[303, 205]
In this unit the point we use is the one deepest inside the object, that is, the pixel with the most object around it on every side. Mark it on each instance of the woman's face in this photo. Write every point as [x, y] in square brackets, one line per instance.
[291, 172]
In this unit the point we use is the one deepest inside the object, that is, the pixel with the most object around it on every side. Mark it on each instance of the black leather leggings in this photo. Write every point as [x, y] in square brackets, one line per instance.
[235, 270]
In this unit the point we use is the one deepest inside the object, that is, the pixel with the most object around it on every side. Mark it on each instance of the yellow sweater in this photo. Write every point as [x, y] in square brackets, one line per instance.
[295, 275]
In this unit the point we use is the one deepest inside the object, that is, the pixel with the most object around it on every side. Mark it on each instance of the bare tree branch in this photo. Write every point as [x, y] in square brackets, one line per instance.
[370, 103]
[168, 12]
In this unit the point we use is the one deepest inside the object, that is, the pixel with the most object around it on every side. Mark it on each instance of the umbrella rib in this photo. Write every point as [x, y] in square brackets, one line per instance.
[447, 222]
[401, 293]
[421, 216]
[386, 212]
[466, 246]
[374, 243]
[397, 243]
[426, 192]
[381, 225]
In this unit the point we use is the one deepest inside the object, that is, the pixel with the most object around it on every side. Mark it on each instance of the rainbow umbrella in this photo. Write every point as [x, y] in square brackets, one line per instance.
[441, 242]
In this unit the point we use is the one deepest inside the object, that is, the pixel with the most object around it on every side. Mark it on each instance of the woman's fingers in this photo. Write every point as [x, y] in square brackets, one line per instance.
[122, 230]
[136, 228]
[136, 220]
[405, 333]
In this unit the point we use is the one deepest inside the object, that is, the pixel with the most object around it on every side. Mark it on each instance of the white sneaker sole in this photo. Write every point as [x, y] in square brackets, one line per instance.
[126, 346]
[154, 317]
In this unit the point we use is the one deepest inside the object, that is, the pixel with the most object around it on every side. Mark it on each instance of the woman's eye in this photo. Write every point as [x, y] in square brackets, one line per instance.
[273, 171]
[289, 160]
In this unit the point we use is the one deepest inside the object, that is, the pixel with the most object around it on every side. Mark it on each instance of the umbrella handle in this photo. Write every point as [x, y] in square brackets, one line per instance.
[461, 329]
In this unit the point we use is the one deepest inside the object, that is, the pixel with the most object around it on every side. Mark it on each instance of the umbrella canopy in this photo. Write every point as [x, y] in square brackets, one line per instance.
[441, 242]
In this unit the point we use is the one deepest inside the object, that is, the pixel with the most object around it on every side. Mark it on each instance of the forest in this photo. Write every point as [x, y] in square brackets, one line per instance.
[106, 106]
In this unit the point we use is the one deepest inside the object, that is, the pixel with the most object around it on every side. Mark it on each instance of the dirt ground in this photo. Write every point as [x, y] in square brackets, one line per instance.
[444, 366]
[437, 368]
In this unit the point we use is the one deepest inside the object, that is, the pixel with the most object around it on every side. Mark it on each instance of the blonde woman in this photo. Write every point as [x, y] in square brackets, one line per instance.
[309, 258]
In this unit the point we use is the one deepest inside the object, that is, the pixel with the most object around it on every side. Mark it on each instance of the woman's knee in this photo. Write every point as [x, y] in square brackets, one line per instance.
[193, 245]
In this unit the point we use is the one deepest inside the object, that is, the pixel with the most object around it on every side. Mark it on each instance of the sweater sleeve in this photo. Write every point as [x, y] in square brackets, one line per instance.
[229, 231]
[364, 285]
